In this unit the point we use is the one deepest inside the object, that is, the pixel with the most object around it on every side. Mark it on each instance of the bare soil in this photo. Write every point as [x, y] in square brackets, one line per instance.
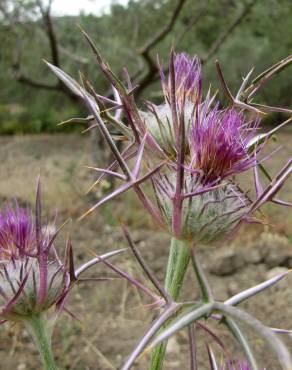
[113, 315]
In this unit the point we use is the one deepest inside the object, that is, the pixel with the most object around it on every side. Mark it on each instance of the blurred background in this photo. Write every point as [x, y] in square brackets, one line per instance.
[241, 34]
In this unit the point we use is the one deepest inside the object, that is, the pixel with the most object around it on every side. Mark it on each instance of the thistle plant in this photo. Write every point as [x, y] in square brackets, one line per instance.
[189, 150]
[34, 282]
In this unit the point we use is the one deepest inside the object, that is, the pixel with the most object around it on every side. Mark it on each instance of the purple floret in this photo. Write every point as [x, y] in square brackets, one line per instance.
[32, 277]
[17, 233]
[188, 80]
[219, 143]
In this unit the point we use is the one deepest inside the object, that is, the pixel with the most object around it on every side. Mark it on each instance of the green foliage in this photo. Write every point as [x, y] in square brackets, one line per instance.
[36, 119]
[264, 37]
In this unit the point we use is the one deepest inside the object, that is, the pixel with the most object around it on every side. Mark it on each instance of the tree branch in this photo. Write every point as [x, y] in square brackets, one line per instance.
[190, 25]
[144, 51]
[76, 58]
[50, 32]
[224, 35]
[218, 43]
[165, 31]
[21, 77]
[36, 84]
[16, 66]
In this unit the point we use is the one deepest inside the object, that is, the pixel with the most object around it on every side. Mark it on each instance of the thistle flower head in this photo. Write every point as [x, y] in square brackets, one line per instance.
[32, 278]
[185, 84]
[205, 214]
[187, 78]
[203, 147]
[17, 233]
[219, 143]
[196, 197]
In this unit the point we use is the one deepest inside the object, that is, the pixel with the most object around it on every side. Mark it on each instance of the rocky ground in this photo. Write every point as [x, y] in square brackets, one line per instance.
[112, 315]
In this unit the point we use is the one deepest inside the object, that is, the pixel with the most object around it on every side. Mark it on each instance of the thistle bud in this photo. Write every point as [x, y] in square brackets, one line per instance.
[187, 76]
[32, 279]
[207, 216]
[158, 119]
[159, 124]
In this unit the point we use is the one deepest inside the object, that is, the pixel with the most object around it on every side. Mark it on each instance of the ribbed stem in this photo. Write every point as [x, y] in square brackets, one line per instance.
[42, 337]
[178, 260]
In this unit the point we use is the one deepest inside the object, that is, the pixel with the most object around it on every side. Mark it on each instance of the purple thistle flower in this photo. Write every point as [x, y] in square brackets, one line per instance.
[158, 120]
[188, 80]
[32, 278]
[17, 233]
[230, 364]
[195, 195]
[193, 199]
[236, 365]
[219, 143]
[202, 148]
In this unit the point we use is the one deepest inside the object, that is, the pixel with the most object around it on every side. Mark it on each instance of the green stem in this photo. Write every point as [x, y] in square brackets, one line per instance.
[178, 260]
[42, 338]
[242, 340]
[207, 295]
